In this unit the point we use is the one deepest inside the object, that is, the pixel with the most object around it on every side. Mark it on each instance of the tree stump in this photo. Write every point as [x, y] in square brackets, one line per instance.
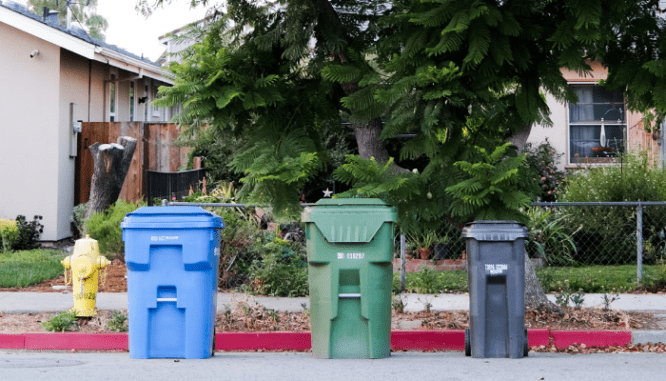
[535, 297]
[111, 163]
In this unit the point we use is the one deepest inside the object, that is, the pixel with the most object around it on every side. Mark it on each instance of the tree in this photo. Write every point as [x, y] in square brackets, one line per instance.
[461, 76]
[85, 13]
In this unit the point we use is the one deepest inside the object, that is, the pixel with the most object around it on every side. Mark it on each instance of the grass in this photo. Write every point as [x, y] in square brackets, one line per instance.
[25, 268]
[591, 279]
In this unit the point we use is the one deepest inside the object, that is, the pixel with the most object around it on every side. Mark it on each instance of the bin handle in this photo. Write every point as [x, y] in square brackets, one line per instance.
[167, 299]
[349, 296]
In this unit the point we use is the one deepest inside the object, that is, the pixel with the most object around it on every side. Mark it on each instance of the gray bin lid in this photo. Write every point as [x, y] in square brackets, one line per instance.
[494, 230]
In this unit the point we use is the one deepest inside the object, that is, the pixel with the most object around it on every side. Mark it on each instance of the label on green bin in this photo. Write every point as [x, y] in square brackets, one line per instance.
[351, 255]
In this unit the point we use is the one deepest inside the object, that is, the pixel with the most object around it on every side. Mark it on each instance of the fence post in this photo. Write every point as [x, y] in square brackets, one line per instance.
[403, 263]
[639, 241]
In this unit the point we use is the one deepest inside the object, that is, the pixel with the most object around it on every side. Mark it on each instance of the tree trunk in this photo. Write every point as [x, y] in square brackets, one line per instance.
[519, 139]
[535, 297]
[111, 163]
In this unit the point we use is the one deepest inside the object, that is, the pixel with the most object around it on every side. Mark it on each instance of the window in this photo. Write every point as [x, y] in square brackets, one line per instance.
[131, 101]
[112, 101]
[597, 124]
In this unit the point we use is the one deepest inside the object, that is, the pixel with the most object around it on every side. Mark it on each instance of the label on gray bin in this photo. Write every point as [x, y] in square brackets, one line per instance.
[496, 269]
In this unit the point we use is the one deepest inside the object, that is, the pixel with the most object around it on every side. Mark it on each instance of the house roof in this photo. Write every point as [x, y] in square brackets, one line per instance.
[78, 41]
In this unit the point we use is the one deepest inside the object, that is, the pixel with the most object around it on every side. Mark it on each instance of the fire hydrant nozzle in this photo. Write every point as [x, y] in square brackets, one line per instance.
[85, 264]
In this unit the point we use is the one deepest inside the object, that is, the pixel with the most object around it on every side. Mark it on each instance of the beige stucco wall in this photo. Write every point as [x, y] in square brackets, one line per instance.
[31, 141]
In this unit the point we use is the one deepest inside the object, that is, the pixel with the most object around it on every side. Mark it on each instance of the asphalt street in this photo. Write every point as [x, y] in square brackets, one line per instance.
[445, 366]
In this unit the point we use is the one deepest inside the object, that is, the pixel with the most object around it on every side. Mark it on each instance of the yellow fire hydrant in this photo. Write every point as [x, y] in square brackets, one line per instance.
[86, 264]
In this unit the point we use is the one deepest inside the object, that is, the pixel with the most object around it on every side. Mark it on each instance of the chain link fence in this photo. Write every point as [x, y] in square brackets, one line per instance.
[563, 236]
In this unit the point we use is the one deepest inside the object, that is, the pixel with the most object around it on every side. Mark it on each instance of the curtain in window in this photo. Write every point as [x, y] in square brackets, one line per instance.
[583, 111]
[582, 139]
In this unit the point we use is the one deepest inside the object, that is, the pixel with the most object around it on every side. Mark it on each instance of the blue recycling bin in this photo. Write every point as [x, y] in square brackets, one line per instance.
[172, 256]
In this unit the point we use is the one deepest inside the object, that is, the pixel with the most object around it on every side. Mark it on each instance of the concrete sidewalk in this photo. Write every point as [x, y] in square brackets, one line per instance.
[26, 302]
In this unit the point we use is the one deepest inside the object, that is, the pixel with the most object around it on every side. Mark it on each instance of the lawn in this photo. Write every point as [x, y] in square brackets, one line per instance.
[590, 279]
[25, 268]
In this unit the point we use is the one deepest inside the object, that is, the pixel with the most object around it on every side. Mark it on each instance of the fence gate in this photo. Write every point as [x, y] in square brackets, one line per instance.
[167, 185]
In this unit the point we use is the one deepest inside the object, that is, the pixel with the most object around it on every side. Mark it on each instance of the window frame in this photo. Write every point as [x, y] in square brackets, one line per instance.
[594, 160]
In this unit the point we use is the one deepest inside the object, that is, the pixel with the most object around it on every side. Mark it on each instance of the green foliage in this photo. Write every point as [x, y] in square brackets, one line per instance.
[117, 323]
[432, 282]
[282, 270]
[9, 235]
[105, 228]
[28, 267]
[64, 321]
[492, 189]
[548, 237]
[635, 179]
[79, 217]
[85, 13]
[28, 233]
[542, 161]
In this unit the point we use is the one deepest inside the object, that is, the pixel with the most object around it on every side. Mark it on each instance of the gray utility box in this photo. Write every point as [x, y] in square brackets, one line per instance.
[496, 273]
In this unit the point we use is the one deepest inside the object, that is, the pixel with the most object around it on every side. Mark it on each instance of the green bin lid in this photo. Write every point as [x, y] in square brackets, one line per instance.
[346, 220]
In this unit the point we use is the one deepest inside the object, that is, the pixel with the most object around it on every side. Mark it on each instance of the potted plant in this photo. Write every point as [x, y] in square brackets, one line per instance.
[423, 241]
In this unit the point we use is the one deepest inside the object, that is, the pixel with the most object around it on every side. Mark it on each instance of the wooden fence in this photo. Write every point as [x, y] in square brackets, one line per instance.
[155, 150]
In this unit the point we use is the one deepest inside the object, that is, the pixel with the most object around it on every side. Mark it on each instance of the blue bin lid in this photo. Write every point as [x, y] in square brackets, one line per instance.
[175, 217]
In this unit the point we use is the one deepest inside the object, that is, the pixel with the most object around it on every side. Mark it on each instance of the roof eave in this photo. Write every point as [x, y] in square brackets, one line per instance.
[47, 33]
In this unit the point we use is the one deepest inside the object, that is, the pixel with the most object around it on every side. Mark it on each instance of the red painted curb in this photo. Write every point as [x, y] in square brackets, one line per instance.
[8, 341]
[562, 339]
[428, 340]
[538, 337]
[243, 341]
[77, 341]
[301, 341]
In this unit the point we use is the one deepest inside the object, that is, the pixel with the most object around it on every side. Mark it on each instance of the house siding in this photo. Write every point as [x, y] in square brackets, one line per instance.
[31, 137]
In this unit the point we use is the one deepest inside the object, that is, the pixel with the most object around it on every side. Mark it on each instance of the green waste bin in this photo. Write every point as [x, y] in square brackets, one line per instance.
[350, 269]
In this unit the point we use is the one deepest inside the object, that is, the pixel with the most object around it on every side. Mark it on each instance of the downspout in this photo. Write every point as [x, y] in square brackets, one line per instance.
[89, 86]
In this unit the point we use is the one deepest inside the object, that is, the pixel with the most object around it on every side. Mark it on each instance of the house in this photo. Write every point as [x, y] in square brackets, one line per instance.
[577, 131]
[52, 77]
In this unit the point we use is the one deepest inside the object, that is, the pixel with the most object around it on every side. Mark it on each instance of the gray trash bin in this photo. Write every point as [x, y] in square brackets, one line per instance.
[496, 273]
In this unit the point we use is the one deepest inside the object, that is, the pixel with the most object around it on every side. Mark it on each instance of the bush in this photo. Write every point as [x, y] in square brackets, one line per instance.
[79, 217]
[542, 161]
[9, 235]
[28, 233]
[64, 321]
[282, 270]
[105, 228]
[609, 232]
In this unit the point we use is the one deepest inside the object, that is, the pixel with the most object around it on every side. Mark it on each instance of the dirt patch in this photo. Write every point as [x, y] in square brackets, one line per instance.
[245, 316]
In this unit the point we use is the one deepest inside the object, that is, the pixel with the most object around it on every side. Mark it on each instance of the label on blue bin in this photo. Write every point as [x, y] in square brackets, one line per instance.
[351, 255]
[496, 269]
[163, 237]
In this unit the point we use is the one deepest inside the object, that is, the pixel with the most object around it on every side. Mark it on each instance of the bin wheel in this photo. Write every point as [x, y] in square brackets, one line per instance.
[212, 352]
[468, 343]
[527, 345]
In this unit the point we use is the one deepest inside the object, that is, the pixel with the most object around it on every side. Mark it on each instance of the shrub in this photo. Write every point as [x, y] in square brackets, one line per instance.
[608, 233]
[542, 161]
[8, 235]
[79, 217]
[117, 323]
[28, 233]
[64, 321]
[105, 228]
[548, 237]
[282, 270]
